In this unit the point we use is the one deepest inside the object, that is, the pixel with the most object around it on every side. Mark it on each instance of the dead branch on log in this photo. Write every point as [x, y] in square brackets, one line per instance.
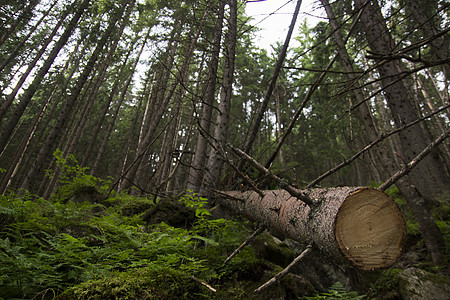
[204, 284]
[247, 241]
[369, 146]
[281, 182]
[286, 270]
[242, 175]
[408, 167]
[220, 193]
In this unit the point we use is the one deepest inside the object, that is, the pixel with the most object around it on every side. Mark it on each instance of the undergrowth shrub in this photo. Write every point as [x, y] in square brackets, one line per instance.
[50, 246]
[105, 250]
[72, 180]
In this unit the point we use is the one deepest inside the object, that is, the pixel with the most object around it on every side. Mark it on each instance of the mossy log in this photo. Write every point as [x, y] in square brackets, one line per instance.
[363, 226]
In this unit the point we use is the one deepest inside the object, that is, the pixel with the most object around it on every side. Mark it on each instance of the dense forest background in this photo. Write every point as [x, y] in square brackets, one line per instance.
[147, 97]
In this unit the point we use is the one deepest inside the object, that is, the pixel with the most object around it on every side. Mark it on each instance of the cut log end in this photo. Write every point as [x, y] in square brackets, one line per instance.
[369, 229]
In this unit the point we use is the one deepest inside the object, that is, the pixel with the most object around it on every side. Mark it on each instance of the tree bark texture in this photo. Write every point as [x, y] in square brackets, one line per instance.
[360, 226]
[280, 60]
[197, 171]
[429, 180]
[215, 162]
[13, 120]
[69, 104]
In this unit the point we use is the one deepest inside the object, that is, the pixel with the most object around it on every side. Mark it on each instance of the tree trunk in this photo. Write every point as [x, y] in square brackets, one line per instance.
[110, 126]
[262, 108]
[20, 151]
[26, 97]
[196, 170]
[19, 46]
[37, 79]
[155, 108]
[179, 80]
[428, 181]
[132, 137]
[69, 104]
[215, 162]
[24, 16]
[91, 99]
[360, 226]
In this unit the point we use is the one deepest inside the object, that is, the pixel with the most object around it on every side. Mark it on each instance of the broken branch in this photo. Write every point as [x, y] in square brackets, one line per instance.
[283, 273]
[281, 182]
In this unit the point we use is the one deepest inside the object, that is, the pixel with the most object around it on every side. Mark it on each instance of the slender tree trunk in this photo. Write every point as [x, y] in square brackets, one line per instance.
[262, 108]
[179, 79]
[131, 137]
[399, 96]
[81, 122]
[19, 46]
[26, 140]
[381, 155]
[168, 147]
[154, 104]
[110, 126]
[69, 104]
[103, 114]
[279, 126]
[26, 13]
[49, 61]
[196, 170]
[25, 99]
[215, 162]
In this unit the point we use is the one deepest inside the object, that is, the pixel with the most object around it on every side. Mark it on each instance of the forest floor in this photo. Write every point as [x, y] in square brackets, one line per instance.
[81, 244]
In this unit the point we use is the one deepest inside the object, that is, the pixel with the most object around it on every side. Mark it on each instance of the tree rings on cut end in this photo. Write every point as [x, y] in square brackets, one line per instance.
[369, 229]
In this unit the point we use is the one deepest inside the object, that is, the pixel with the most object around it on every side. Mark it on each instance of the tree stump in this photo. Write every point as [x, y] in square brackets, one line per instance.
[363, 226]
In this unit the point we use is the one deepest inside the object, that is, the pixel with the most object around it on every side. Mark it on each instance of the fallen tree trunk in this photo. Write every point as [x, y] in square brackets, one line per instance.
[362, 226]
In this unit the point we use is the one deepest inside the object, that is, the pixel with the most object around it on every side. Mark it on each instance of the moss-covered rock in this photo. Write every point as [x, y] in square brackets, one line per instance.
[136, 206]
[171, 212]
[419, 284]
[272, 249]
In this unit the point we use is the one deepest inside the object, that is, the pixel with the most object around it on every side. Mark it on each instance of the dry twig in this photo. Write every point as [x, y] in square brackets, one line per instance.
[283, 273]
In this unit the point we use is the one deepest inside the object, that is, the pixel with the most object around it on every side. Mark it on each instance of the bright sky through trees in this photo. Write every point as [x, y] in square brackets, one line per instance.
[274, 17]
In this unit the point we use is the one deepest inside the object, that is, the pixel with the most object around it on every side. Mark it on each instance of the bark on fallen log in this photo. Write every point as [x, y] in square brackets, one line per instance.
[362, 226]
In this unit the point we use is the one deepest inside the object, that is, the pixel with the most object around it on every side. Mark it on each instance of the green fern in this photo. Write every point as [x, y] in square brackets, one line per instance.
[337, 291]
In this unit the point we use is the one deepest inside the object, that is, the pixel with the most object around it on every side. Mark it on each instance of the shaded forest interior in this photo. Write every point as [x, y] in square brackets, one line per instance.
[110, 108]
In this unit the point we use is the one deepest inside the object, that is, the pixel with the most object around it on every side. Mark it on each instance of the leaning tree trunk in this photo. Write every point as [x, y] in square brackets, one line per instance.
[360, 226]
[68, 106]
